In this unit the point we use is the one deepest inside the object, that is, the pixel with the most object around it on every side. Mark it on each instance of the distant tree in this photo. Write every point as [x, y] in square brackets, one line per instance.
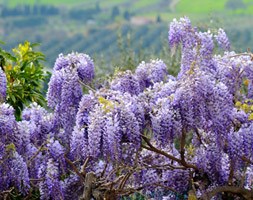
[127, 15]
[98, 9]
[115, 12]
[235, 4]
[35, 9]
[158, 19]
[27, 9]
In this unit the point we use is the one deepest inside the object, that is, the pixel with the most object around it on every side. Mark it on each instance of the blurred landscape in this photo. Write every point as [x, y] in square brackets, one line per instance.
[105, 29]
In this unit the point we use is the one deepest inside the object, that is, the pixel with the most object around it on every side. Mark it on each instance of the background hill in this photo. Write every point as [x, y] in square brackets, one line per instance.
[106, 29]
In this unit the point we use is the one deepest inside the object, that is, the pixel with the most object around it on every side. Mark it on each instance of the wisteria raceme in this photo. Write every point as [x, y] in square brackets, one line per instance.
[53, 180]
[79, 143]
[72, 187]
[150, 73]
[129, 126]
[20, 172]
[70, 98]
[14, 172]
[8, 123]
[111, 137]
[82, 62]
[203, 103]
[240, 143]
[61, 62]
[86, 104]
[126, 82]
[95, 131]
[65, 90]
[222, 39]
[159, 90]
[232, 70]
[177, 179]
[23, 135]
[166, 122]
[213, 162]
[182, 32]
[79, 138]
[178, 30]
[85, 68]
[39, 122]
[50, 187]
[3, 85]
[54, 89]
[56, 150]
[249, 178]
[206, 44]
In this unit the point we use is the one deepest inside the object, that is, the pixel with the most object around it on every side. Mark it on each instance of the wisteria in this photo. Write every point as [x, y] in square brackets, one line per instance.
[3, 85]
[150, 73]
[222, 39]
[143, 133]
[65, 89]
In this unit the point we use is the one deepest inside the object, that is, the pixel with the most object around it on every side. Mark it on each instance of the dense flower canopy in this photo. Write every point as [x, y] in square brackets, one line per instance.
[146, 131]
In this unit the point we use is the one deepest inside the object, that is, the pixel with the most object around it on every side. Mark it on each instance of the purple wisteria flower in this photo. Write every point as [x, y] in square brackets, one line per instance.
[126, 82]
[8, 123]
[14, 171]
[197, 47]
[50, 187]
[178, 30]
[65, 90]
[223, 40]
[3, 85]
[150, 73]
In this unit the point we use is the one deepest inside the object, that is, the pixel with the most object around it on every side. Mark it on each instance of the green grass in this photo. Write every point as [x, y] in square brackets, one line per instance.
[110, 3]
[200, 6]
[143, 3]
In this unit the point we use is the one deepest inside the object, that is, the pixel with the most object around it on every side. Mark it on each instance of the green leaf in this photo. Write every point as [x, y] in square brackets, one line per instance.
[13, 98]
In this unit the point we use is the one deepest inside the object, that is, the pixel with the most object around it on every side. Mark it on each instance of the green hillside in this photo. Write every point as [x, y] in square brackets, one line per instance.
[94, 26]
[181, 6]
